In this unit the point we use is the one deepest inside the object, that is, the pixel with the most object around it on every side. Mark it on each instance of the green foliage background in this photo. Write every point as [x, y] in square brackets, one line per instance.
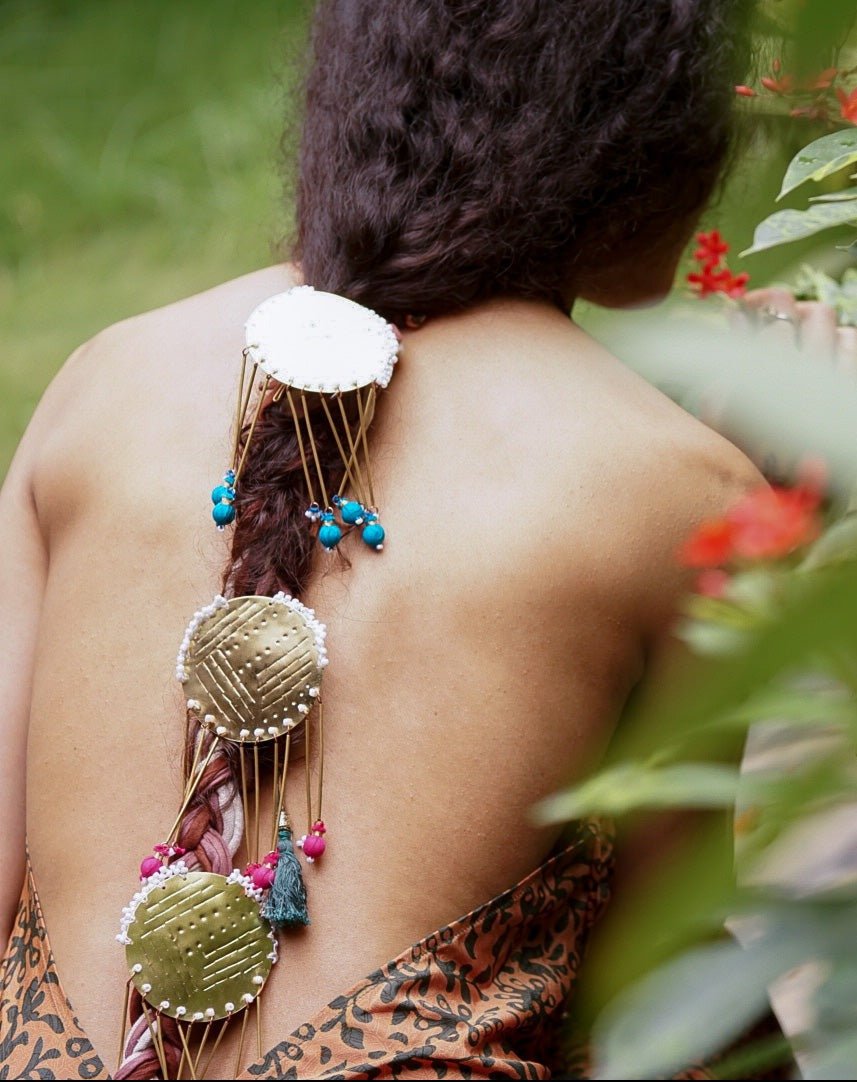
[140, 163]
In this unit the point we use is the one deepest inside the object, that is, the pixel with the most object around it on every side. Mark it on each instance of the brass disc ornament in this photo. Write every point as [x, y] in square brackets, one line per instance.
[197, 946]
[252, 666]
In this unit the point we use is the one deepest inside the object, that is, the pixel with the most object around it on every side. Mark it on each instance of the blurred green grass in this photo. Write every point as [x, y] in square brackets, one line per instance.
[140, 164]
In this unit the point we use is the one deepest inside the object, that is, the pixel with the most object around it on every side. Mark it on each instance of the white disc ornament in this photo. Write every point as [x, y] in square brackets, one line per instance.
[321, 342]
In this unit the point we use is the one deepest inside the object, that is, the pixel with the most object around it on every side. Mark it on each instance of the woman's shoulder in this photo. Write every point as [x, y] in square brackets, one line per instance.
[134, 377]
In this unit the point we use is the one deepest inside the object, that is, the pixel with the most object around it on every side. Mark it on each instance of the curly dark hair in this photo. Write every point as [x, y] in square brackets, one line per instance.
[455, 150]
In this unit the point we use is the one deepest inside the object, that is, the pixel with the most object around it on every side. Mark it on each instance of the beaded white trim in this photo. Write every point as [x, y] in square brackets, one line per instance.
[318, 341]
[315, 625]
[308, 615]
[157, 879]
[199, 617]
[246, 883]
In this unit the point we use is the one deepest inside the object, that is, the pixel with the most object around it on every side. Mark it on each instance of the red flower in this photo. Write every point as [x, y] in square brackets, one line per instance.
[710, 545]
[767, 523]
[745, 91]
[772, 522]
[711, 247]
[709, 281]
[848, 105]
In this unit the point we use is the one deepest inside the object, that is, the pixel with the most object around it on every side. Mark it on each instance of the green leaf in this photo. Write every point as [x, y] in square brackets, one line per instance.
[638, 785]
[685, 1011]
[786, 226]
[835, 197]
[822, 616]
[836, 545]
[820, 159]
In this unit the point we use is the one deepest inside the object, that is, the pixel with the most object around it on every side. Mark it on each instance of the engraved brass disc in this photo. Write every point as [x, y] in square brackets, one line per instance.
[201, 944]
[254, 666]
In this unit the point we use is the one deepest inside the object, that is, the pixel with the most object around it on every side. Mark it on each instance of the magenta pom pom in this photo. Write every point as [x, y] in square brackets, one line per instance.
[262, 877]
[149, 866]
[313, 846]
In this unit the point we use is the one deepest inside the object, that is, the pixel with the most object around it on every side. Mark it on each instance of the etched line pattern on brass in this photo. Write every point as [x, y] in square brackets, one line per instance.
[251, 664]
[200, 941]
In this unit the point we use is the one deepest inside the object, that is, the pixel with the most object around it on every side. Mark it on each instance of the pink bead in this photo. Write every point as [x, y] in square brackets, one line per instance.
[314, 845]
[149, 866]
[272, 858]
[262, 877]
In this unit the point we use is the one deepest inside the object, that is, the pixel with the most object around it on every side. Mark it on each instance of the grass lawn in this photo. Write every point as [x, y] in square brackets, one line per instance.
[140, 164]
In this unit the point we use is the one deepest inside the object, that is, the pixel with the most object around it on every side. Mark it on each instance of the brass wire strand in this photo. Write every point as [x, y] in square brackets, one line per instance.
[320, 758]
[363, 433]
[187, 1052]
[314, 450]
[258, 412]
[256, 787]
[153, 1030]
[239, 413]
[301, 448]
[244, 803]
[124, 1020]
[199, 1050]
[281, 799]
[276, 786]
[244, 1014]
[259, 1025]
[307, 749]
[191, 790]
[345, 460]
[181, 1061]
[213, 1051]
[354, 449]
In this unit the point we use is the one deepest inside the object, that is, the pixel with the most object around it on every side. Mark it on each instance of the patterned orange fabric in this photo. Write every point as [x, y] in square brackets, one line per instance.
[481, 998]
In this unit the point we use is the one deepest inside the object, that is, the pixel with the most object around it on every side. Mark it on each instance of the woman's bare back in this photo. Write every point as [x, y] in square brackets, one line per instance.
[534, 491]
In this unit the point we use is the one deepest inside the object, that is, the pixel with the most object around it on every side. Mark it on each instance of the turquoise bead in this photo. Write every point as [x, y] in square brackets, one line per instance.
[330, 535]
[222, 492]
[373, 535]
[352, 512]
[223, 513]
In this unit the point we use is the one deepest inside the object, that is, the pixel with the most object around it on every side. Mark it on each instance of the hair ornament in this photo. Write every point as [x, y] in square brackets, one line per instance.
[328, 356]
[199, 933]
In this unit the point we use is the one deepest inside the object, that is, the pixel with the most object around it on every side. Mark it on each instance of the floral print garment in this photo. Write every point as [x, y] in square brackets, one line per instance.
[481, 998]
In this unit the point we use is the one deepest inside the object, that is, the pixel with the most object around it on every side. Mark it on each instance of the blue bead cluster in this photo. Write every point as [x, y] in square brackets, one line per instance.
[223, 498]
[351, 513]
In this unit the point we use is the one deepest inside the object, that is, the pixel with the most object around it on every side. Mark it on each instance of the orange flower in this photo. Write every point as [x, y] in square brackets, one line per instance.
[848, 105]
[775, 521]
[710, 545]
[745, 91]
[767, 523]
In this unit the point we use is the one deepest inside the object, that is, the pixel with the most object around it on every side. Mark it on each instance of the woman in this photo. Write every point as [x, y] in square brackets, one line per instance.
[467, 170]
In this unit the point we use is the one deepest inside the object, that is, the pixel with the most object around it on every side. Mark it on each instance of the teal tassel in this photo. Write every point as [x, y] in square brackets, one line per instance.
[286, 904]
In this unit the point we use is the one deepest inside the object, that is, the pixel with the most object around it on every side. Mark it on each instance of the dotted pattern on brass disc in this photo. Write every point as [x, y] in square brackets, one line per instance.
[250, 665]
[200, 941]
